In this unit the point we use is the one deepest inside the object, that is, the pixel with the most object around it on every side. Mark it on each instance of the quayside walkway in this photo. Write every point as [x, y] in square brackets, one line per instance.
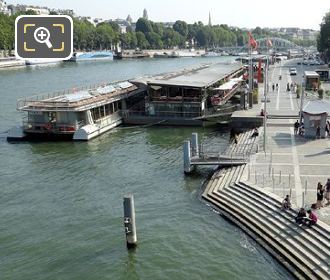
[305, 252]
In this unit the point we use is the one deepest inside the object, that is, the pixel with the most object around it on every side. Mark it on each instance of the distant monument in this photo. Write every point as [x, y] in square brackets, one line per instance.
[145, 14]
[210, 22]
[129, 19]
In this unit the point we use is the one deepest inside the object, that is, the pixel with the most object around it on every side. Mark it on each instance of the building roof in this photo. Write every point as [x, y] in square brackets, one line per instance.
[198, 77]
[317, 107]
[311, 74]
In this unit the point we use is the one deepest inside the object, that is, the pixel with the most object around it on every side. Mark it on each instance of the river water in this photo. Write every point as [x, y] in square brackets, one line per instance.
[61, 203]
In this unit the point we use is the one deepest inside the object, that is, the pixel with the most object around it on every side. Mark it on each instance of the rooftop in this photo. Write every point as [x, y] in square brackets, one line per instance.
[199, 77]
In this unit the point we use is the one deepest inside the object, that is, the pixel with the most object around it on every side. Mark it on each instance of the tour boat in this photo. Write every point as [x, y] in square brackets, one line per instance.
[77, 114]
[85, 56]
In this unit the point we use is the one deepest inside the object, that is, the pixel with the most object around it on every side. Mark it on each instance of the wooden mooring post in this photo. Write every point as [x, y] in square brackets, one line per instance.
[129, 221]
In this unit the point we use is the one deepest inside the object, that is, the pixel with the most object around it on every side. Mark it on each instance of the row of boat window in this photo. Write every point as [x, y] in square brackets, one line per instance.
[106, 110]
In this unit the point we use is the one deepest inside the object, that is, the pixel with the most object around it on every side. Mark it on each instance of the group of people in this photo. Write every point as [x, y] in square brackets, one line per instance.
[291, 87]
[299, 129]
[273, 86]
[301, 218]
[309, 217]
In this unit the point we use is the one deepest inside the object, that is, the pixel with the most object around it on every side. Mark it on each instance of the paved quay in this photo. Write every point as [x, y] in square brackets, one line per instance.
[250, 195]
[290, 161]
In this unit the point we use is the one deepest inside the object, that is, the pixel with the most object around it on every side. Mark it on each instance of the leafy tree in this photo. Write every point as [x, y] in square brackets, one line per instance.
[143, 25]
[181, 27]
[142, 42]
[323, 42]
[155, 41]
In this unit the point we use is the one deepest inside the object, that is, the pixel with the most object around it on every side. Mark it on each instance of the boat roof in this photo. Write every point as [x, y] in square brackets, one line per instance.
[78, 100]
[198, 77]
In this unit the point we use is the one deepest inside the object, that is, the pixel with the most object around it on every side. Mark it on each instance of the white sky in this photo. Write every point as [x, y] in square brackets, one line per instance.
[241, 13]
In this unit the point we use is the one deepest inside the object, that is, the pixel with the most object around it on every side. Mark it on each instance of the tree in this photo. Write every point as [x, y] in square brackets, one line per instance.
[155, 41]
[323, 42]
[143, 25]
[142, 42]
[181, 27]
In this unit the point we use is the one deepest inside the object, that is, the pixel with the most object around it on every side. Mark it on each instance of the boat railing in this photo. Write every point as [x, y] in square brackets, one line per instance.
[48, 101]
[173, 114]
[51, 126]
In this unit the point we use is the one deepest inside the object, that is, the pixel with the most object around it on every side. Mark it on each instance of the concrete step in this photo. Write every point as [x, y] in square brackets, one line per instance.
[315, 265]
[321, 228]
[285, 218]
[285, 258]
[278, 219]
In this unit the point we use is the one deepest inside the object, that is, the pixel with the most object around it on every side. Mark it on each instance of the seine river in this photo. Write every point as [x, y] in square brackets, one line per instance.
[61, 213]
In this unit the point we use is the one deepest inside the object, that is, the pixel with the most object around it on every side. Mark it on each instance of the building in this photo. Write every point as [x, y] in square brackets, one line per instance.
[4, 8]
[24, 8]
[185, 96]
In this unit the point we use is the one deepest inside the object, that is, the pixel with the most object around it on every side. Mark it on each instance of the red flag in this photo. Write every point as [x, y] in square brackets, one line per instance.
[253, 43]
[269, 43]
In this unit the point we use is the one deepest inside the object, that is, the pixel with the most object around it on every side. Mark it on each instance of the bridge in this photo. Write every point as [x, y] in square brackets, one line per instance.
[279, 45]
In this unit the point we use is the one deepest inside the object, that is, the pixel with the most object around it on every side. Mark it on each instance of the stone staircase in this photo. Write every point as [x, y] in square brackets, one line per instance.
[303, 251]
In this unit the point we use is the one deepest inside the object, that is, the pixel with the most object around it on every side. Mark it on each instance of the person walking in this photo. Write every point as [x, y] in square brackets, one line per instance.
[319, 195]
[327, 128]
[273, 87]
[327, 191]
[296, 126]
[318, 132]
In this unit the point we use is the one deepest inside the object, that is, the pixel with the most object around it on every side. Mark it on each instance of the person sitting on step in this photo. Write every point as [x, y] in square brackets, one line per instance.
[312, 218]
[301, 216]
[255, 132]
[286, 203]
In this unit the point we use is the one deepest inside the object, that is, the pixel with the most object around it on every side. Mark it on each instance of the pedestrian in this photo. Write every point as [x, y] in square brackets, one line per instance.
[286, 203]
[273, 87]
[327, 191]
[296, 126]
[327, 128]
[287, 87]
[255, 132]
[301, 129]
[318, 132]
[319, 195]
[301, 216]
[312, 218]
[276, 86]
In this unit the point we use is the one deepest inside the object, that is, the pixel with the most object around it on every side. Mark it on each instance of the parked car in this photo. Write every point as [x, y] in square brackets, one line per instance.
[293, 71]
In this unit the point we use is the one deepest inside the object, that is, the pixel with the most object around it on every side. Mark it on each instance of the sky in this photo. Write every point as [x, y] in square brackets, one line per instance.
[240, 13]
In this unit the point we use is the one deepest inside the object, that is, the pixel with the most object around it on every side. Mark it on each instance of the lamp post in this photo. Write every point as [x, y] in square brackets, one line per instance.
[301, 95]
[265, 98]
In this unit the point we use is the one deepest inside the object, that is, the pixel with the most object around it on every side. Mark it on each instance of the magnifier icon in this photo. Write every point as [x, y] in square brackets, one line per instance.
[41, 35]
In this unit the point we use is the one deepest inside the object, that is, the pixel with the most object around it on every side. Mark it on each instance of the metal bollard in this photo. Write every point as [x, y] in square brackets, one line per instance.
[263, 180]
[303, 199]
[194, 144]
[187, 157]
[249, 171]
[306, 187]
[290, 182]
[255, 176]
[129, 221]
[280, 177]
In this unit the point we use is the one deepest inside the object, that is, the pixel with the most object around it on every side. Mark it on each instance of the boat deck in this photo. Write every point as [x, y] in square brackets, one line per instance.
[79, 100]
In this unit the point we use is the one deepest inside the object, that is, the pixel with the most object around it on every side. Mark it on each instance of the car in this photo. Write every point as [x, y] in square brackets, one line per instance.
[293, 71]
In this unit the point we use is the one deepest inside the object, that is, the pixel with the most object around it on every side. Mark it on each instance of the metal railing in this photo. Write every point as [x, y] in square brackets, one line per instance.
[49, 99]
[30, 126]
